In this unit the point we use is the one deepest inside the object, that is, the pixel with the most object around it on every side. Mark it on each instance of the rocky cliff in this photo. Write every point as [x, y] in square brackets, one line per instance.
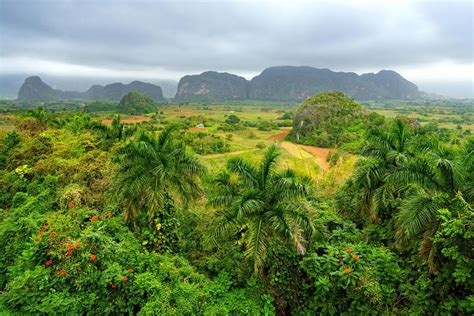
[212, 86]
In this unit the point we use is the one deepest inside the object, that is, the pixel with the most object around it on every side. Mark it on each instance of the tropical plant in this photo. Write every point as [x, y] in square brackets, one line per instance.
[384, 152]
[261, 204]
[434, 180]
[152, 170]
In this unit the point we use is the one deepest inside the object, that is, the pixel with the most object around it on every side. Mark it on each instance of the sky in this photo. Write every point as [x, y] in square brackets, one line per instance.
[430, 43]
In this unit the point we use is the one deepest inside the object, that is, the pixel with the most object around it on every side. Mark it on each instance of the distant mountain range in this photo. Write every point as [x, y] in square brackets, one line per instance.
[283, 83]
[34, 89]
[289, 83]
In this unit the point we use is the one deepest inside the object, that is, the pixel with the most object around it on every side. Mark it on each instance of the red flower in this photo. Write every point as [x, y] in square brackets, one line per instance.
[69, 246]
[62, 273]
[356, 257]
[92, 257]
[124, 278]
[113, 286]
[49, 262]
[130, 270]
[40, 232]
[347, 270]
[69, 253]
[78, 245]
[349, 250]
[44, 228]
[94, 218]
[53, 234]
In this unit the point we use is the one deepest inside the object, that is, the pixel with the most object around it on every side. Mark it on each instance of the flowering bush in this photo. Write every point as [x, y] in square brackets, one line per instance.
[99, 267]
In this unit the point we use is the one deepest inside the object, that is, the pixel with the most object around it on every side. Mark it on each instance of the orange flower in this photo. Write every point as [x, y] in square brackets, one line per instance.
[70, 246]
[347, 270]
[109, 214]
[349, 250]
[49, 262]
[78, 245]
[70, 205]
[53, 234]
[124, 278]
[44, 228]
[62, 273]
[356, 257]
[113, 286]
[130, 270]
[40, 233]
[69, 253]
[92, 257]
[94, 218]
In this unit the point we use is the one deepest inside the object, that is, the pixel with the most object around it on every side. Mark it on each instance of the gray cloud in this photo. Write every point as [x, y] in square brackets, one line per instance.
[244, 37]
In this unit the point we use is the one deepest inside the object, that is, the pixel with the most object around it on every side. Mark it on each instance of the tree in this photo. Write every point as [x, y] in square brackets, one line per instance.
[434, 180]
[152, 170]
[232, 119]
[384, 152]
[261, 204]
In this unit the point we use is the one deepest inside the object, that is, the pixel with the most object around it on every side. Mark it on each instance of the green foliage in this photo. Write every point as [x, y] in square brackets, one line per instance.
[136, 103]
[259, 204]
[327, 119]
[119, 219]
[232, 119]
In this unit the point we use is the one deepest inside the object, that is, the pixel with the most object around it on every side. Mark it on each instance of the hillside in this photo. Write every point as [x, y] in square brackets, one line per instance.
[326, 119]
[136, 103]
[212, 85]
[34, 89]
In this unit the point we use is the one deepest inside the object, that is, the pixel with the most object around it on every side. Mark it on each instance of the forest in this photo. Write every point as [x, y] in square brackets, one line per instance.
[330, 207]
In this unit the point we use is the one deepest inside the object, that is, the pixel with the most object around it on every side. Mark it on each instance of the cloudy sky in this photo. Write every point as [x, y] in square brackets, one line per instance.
[428, 42]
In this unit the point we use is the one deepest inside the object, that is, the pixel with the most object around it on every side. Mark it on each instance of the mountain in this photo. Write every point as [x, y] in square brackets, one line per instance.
[136, 103]
[327, 118]
[289, 83]
[212, 86]
[34, 89]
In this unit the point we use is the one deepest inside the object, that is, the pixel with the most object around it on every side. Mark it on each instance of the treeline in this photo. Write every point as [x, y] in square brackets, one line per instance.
[114, 219]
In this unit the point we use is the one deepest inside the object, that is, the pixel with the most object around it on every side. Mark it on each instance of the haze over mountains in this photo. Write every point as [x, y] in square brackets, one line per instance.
[282, 83]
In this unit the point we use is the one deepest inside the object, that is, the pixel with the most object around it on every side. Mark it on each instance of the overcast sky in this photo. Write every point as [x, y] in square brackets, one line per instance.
[429, 43]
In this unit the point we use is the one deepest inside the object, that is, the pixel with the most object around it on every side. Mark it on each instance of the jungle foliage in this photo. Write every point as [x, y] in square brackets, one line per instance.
[116, 219]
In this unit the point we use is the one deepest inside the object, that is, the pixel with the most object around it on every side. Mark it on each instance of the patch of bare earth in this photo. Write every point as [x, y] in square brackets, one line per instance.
[308, 152]
[135, 119]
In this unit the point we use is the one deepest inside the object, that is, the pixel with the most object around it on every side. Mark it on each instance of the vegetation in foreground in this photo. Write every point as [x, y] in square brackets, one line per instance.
[113, 219]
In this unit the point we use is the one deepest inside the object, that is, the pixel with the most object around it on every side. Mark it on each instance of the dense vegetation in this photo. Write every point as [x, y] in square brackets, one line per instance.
[328, 119]
[114, 219]
[136, 103]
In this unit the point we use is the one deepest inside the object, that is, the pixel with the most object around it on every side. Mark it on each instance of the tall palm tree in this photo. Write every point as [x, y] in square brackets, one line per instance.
[262, 204]
[152, 170]
[383, 153]
[434, 180]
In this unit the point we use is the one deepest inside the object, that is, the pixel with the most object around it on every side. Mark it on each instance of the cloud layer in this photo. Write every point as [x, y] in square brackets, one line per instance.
[151, 39]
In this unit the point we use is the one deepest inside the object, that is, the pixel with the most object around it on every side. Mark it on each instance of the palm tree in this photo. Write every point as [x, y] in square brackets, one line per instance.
[152, 170]
[262, 204]
[384, 152]
[434, 180]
